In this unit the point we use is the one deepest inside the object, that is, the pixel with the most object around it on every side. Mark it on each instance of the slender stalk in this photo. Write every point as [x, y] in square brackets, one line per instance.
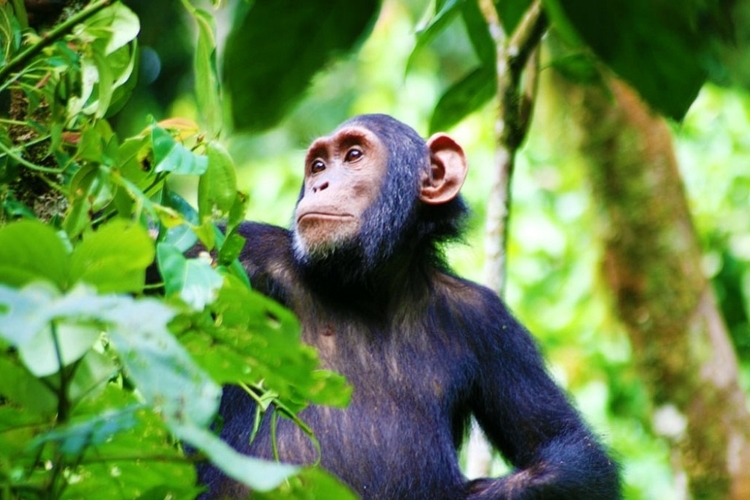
[515, 105]
[63, 406]
[513, 119]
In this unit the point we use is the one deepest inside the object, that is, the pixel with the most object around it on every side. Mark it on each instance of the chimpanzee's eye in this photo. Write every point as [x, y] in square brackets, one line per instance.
[317, 166]
[354, 154]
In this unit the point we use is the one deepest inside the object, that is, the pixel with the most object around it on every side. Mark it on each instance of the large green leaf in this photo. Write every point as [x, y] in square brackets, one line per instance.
[193, 280]
[207, 89]
[479, 33]
[114, 259]
[446, 12]
[464, 97]
[276, 48]
[29, 250]
[260, 475]
[217, 187]
[653, 44]
[172, 156]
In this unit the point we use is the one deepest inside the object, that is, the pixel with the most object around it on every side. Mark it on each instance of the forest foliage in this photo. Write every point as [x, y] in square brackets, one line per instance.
[102, 372]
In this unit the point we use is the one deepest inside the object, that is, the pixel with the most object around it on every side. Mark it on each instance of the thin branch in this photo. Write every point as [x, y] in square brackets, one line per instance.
[51, 37]
[513, 118]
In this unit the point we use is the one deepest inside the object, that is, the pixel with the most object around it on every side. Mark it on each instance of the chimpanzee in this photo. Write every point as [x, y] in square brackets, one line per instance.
[423, 349]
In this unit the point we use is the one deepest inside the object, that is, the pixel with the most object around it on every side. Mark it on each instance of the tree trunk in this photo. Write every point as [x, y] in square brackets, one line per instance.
[653, 265]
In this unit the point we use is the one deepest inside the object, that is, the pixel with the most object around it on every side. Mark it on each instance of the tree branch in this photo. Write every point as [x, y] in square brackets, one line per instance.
[513, 54]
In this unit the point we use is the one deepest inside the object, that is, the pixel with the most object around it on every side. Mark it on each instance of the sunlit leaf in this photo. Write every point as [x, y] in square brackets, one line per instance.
[114, 258]
[23, 311]
[217, 187]
[91, 374]
[206, 75]
[193, 280]
[20, 387]
[40, 353]
[259, 475]
[446, 14]
[116, 25]
[75, 438]
[105, 85]
[312, 483]
[134, 460]
[31, 250]
[181, 236]
[162, 370]
[171, 156]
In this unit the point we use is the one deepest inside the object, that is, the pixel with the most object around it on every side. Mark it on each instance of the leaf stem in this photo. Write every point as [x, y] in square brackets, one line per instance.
[63, 405]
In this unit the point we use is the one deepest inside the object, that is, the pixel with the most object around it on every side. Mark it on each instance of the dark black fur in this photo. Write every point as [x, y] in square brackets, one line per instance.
[423, 349]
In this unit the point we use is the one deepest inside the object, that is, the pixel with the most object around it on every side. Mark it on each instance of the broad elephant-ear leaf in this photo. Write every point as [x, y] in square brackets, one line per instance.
[653, 44]
[276, 48]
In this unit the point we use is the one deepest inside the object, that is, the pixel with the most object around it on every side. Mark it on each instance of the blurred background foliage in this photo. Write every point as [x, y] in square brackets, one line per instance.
[554, 282]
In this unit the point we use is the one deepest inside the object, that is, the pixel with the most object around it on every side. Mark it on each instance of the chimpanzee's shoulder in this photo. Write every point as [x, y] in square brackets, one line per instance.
[464, 292]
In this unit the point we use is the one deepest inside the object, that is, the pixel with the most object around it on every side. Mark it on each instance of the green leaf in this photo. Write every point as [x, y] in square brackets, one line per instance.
[313, 483]
[17, 429]
[446, 14]
[91, 375]
[135, 460]
[171, 156]
[238, 211]
[165, 374]
[479, 33]
[73, 439]
[207, 88]
[23, 312]
[664, 63]
[116, 26]
[464, 97]
[105, 86]
[277, 46]
[134, 161]
[259, 475]
[30, 250]
[114, 258]
[125, 73]
[40, 355]
[22, 388]
[194, 280]
[256, 338]
[231, 248]
[217, 187]
[182, 236]
[38, 321]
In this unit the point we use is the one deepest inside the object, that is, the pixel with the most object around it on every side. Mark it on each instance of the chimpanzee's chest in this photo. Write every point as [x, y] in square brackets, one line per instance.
[407, 410]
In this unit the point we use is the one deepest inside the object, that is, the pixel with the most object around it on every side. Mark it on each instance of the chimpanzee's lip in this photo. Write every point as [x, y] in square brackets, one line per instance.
[323, 216]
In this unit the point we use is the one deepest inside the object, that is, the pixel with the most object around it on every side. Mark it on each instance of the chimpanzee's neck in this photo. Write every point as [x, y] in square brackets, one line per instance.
[343, 279]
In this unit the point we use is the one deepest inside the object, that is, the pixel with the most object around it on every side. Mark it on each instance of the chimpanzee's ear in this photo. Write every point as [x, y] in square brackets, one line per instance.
[448, 169]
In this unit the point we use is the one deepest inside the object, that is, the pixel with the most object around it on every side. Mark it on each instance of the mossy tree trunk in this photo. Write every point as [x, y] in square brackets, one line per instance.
[653, 265]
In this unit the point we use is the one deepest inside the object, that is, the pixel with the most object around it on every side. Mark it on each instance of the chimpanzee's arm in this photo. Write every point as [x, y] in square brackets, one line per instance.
[529, 419]
[267, 258]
